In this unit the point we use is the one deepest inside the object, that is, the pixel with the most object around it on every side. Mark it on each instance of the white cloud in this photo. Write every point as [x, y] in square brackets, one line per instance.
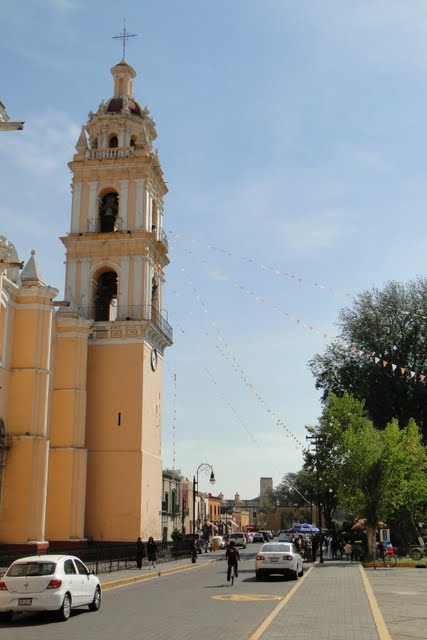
[45, 145]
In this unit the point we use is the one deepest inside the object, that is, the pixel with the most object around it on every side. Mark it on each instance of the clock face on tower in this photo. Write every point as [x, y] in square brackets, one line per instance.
[153, 359]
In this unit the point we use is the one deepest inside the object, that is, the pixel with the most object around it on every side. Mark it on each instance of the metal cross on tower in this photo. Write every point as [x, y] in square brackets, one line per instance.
[124, 36]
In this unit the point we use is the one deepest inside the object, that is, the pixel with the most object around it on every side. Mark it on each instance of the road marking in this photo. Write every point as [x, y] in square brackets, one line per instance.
[269, 619]
[247, 597]
[383, 633]
[123, 582]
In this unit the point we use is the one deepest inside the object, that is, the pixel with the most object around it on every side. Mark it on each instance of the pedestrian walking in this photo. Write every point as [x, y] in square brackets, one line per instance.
[152, 552]
[140, 552]
[348, 551]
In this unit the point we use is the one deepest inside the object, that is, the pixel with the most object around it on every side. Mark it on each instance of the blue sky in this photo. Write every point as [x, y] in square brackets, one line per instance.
[293, 138]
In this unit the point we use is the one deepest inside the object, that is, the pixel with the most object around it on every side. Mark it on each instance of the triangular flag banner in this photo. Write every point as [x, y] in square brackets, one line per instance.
[376, 360]
[402, 370]
[393, 366]
[412, 374]
[422, 377]
[385, 363]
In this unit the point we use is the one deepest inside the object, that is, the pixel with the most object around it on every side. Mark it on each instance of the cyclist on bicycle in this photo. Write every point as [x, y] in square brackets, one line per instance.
[232, 556]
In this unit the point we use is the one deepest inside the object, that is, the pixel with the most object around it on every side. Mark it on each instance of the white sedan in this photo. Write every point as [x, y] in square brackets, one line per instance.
[278, 557]
[55, 583]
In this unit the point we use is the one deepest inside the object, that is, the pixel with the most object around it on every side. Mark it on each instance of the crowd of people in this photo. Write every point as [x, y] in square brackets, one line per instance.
[335, 546]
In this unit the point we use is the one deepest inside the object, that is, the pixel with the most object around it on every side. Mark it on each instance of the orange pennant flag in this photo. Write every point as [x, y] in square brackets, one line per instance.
[402, 370]
[385, 363]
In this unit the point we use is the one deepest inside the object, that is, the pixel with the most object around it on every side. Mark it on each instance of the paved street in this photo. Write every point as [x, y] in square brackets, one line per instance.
[189, 602]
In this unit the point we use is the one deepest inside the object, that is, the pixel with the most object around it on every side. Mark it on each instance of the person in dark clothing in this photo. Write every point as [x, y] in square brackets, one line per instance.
[140, 553]
[152, 552]
[314, 546]
[232, 556]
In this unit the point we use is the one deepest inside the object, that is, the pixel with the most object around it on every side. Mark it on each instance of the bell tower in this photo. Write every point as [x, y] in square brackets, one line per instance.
[116, 253]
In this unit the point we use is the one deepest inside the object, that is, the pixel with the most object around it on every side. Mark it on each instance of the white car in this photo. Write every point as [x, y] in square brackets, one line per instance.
[218, 542]
[55, 583]
[278, 557]
[239, 539]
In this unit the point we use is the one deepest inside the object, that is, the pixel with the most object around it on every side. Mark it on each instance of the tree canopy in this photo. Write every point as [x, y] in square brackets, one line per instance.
[372, 474]
[391, 325]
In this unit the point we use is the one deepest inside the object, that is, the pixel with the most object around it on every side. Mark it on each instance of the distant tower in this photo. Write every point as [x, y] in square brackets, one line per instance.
[265, 486]
[116, 252]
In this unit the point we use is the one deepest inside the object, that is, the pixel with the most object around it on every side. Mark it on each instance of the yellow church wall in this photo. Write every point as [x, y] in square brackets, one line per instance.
[113, 510]
[151, 506]
[27, 417]
[22, 515]
[33, 326]
[151, 407]
[114, 387]
[66, 494]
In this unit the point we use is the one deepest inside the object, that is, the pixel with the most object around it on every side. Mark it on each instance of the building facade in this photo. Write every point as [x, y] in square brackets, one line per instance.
[81, 397]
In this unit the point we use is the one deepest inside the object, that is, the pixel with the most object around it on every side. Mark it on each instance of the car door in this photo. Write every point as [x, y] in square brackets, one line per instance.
[86, 585]
[71, 579]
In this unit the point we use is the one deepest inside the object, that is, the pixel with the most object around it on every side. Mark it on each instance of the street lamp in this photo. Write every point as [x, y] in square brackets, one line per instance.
[205, 466]
[315, 439]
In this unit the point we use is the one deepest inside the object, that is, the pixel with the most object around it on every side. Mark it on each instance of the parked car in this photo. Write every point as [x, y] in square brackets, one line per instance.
[217, 541]
[239, 539]
[278, 557]
[56, 583]
[258, 537]
[265, 534]
[284, 536]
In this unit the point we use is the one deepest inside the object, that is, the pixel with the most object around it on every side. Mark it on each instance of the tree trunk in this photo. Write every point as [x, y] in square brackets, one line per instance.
[372, 542]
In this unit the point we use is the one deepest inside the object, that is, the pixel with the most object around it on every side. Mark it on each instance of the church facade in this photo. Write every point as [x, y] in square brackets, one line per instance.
[81, 379]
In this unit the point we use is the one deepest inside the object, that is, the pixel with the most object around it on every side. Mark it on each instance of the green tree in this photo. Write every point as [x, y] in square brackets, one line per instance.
[388, 324]
[296, 489]
[339, 413]
[383, 471]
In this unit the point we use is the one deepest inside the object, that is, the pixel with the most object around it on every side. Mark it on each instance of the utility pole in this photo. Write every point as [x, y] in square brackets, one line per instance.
[314, 439]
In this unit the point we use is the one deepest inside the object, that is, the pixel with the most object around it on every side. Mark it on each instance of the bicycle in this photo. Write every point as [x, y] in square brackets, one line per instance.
[389, 560]
[233, 574]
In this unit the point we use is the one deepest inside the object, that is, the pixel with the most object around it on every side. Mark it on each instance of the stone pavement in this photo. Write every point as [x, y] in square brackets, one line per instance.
[336, 601]
[127, 576]
[330, 604]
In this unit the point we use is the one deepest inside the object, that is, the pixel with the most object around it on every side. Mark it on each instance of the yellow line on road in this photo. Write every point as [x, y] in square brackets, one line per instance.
[122, 582]
[382, 630]
[269, 619]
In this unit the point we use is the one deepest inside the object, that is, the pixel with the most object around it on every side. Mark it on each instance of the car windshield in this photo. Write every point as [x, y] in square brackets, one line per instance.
[22, 569]
[279, 548]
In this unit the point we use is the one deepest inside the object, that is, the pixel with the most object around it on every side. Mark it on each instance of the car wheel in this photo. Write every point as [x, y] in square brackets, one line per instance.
[258, 575]
[295, 574]
[6, 616]
[416, 554]
[96, 603]
[301, 573]
[64, 611]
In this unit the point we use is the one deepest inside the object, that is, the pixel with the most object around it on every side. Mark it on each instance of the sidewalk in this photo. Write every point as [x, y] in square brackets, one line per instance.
[329, 604]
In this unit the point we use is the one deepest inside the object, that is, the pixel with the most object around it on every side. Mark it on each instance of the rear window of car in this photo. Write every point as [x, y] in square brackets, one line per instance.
[24, 569]
[236, 535]
[280, 548]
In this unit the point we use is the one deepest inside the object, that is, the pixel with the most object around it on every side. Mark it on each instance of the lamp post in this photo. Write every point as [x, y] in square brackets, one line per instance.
[314, 439]
[205, 466]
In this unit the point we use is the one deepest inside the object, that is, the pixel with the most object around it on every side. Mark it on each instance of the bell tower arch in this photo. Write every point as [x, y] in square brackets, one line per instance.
[116, 255]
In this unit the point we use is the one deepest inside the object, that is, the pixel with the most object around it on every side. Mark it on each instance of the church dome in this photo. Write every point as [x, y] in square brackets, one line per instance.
[115, 105]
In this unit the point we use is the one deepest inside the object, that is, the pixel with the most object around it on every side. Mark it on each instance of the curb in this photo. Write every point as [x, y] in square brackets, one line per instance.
[122, 582]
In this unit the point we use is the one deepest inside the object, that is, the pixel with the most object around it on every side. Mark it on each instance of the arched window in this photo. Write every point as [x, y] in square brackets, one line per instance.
[95, 143]
[105, 299]
[133, 141]
[114, 142]
[108, 213]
